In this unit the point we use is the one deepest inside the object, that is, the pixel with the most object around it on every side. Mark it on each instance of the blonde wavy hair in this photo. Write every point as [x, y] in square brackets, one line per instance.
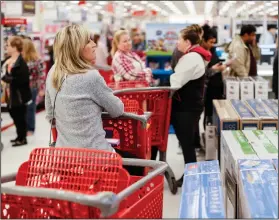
[116, 39]
[29, 52]
[67, 47]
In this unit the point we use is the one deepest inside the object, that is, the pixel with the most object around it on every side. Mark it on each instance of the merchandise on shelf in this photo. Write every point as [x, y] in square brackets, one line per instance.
[231, 87]
[247, 119]
[234, 146]
[261, 87]
[267, 119]
[275, 163]
[272, 104]
[211, 143]
[154, 65]
[202, 195]
[258, 189]
[272, 137]
[246, 88]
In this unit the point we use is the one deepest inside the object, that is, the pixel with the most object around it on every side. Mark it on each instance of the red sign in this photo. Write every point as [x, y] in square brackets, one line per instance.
[81, 2]
[13, 21]
[144, 13]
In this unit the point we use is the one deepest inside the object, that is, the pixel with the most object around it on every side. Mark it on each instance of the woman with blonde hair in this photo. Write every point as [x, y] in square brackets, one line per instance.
[76, 93]
[37, 80]
[127, 65]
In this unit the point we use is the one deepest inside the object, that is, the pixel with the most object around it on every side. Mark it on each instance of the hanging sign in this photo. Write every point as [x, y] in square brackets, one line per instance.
[29, 7]
[13, 21]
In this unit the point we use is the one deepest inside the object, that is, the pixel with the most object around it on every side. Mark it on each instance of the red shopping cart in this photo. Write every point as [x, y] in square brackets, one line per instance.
[79, 183]
[156, 100]
[128, 84]
[131, 129]
[107, 75]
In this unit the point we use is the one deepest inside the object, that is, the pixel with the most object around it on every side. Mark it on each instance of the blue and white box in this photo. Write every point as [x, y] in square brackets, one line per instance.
[275, 163]
[202, 195]
[258, 189]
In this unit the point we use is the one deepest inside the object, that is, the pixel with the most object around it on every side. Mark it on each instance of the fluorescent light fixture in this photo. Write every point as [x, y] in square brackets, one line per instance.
[251, 3]
[172, 7]
[74, 2]
[88, 4]
[268, 4]
[191, 7]
[102, 3]
[208, 7]
[127, 4]
[98, 7]
[144, 2]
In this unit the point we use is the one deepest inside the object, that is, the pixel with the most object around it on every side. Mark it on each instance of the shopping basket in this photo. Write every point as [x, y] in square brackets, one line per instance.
[128, 84]
[131, 129]
[81, 183]
[156, 100]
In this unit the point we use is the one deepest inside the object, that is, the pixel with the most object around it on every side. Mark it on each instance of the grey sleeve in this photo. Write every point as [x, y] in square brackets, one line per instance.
[48, 106]
[105, 98]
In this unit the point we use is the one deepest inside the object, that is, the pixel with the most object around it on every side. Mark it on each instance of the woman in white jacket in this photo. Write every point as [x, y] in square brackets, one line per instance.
[188, 103]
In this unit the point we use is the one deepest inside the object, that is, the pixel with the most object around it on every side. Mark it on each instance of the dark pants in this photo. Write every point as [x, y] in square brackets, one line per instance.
[18, 114]
[185, 125]
[31, 111]
[134, 171]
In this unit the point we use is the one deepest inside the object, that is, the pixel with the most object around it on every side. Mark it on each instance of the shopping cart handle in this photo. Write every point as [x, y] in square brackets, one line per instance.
[103, 67]
[171, 89]
[142, 118]
[8, 178]
[107, 202]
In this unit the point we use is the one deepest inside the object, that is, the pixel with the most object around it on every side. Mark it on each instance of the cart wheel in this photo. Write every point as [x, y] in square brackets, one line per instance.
[171, 181]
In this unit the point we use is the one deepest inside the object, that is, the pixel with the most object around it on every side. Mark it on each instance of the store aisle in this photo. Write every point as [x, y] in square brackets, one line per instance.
[11, 158]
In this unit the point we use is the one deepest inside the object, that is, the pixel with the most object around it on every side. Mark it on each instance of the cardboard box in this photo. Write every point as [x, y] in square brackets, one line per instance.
[247, 120]
[261, 144]
[261, 87]
[272, 106]
[246, 88]
[224, 116]
[202, 195]
[232, 88]
[258, 189]
[234, 146]
[267, 119]
[211, 148]
[272, 136]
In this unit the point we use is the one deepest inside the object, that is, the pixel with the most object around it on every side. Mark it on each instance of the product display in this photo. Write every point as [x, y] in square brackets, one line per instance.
[202, 195]
[246, 88]
[258, 189]
[232, 88]
[272, 105]
[261, 87]
[242, 145]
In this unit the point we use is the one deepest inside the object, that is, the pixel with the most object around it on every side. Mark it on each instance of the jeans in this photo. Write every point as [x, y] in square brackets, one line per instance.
[31, 111]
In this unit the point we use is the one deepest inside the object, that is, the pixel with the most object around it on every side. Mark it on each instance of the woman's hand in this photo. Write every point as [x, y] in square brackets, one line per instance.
[219, 67]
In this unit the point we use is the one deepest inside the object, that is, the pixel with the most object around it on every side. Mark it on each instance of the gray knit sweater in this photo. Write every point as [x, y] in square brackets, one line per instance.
[78, 110]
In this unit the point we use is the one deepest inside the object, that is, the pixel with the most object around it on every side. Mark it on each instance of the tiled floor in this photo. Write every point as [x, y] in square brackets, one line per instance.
[11, 158]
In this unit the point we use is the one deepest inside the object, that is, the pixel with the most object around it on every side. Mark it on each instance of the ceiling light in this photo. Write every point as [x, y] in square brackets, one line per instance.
[172, 7]
[127, 4]
[98, 7]
[208, 7]
[191, 7]
[251, 3]
[102, 3]
[74, 2]
[144, 2]
[268, 4]
[88, 4]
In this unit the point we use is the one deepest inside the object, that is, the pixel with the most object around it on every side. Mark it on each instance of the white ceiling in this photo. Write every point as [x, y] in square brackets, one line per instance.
[166, 8]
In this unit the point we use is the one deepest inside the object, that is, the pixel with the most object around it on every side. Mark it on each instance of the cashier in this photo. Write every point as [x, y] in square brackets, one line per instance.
[188, 103]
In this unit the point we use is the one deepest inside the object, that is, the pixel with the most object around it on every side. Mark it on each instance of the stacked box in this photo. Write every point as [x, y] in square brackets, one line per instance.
[261, 144]
[234, 146]
[202, 191]
[272, 106]
[246, 88]
[267, 119]
[273, 137]
[224, 116]
[232, 88]
[258, 189]
[248, 121]
[261, 87]
[210, 143]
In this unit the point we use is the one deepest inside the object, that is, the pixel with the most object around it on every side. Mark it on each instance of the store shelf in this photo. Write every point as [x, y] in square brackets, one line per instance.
[162, 72]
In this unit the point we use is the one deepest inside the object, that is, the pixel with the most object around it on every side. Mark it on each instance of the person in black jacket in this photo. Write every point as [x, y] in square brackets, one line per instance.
[15, 73]
[275, 76]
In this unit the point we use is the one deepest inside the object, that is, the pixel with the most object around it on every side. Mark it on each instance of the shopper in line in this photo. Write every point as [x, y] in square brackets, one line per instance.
[78, 92]
[176, 55]
[15, 73]
[275, 73]
[187, 103]
[214, 79]
[101, 52]
[37, 81]
[245, 51]
[127, 65]
[268, 38]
